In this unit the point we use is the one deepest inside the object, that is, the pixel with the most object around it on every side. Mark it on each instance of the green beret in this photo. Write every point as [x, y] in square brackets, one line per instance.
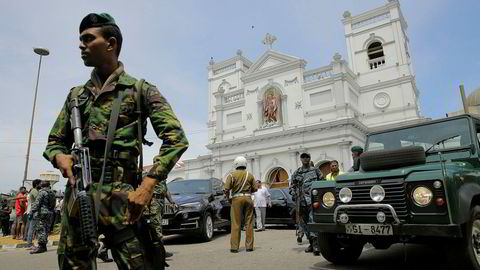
[96, 20]
[357, 149]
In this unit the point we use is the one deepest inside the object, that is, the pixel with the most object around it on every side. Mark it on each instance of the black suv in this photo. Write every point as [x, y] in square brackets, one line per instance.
[201, 208]
[283, 208]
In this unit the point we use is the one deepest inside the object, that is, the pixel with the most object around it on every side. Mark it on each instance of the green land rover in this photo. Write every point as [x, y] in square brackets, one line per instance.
[417, 184]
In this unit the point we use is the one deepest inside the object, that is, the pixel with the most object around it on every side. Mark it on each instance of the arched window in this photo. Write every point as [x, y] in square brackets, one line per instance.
[376, 58]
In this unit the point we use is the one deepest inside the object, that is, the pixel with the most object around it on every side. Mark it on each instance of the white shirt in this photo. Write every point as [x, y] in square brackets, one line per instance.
[262, 197]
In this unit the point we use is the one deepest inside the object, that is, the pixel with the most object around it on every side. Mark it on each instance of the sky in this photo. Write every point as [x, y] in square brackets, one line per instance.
[169, 43]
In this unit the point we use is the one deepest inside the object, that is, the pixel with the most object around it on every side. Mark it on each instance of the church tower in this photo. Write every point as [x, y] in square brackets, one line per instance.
[378, 54]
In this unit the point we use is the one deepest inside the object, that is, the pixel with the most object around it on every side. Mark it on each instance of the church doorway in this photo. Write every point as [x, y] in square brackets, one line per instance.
[324, 166]
[277, 178]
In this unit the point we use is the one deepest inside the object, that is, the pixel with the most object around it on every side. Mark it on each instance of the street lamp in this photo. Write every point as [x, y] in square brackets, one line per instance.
[41, 52]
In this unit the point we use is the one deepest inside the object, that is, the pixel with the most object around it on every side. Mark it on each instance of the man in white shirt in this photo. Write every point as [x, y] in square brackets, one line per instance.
[262, 200]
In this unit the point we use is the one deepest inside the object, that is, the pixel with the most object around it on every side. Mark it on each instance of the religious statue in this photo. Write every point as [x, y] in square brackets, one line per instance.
[270, 108]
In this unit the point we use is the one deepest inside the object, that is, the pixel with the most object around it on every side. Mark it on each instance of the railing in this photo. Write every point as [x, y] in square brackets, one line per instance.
[377, 62]
[223, 69]
[233, 98]
[317, 75]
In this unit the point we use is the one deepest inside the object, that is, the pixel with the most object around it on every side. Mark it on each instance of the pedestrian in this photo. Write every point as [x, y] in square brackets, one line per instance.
[334, 171]
[42, 210]
[239, 186]
[20, 208]
[300, 189]
[357, 151]
[100, 45]
[262, 200]
[5, 212]
[32, 196]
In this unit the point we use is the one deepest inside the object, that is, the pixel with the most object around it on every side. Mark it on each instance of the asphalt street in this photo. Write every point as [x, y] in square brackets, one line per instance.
[275, 248]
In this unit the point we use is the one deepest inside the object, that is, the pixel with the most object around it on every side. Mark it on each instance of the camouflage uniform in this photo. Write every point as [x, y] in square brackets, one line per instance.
[95, 108]
[304, 178]
[42, 210]
[154, 212]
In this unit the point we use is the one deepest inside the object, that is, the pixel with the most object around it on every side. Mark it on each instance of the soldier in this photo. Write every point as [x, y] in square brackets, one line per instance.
[154, 211]
[302, 180]
[356, 153]
[119, 217]
[5, 216]
[42, 210]
[241, 184]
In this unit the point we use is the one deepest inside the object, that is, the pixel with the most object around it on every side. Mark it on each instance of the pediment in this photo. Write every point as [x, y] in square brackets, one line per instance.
[271, 59]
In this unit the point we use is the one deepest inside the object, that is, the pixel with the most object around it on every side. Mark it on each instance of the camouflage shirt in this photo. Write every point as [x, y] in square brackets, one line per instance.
[95, 108]
[304, 178]
[44, 203]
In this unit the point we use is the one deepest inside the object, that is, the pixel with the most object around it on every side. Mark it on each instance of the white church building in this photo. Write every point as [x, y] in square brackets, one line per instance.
[272, 109]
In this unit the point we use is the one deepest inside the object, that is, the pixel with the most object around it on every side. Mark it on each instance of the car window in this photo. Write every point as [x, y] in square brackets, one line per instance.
[217, 185]
[276, 194]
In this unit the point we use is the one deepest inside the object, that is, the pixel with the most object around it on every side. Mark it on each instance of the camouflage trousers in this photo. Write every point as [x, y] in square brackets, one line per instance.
[125, 245]
[154, 214]
[306, 217]
[42, 228]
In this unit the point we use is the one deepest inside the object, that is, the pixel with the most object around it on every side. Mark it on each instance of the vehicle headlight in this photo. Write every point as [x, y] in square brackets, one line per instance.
[314, 192]
[328, 199]
[345, 195]
[422, 196]
[377, 193]
[191, 206]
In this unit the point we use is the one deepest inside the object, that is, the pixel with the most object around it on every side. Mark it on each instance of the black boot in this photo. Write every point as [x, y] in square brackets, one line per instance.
[40, 249]
[168, 254]
[309, 249]
[103, 255]
[316, 246]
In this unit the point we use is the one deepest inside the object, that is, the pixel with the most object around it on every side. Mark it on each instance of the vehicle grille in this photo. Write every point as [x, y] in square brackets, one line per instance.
[395, 195]
[168, 209]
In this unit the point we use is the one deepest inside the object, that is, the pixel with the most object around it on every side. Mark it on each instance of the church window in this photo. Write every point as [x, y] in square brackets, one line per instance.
[376, 58]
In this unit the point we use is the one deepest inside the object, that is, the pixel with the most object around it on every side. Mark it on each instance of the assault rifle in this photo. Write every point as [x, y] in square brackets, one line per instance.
[80, 204]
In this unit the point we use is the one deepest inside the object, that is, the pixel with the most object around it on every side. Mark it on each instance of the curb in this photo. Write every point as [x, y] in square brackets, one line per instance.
[50, 243]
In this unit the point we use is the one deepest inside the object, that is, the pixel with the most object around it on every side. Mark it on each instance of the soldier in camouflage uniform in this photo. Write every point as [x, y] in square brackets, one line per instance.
[42, 210]
[118, 220]
[303, 178]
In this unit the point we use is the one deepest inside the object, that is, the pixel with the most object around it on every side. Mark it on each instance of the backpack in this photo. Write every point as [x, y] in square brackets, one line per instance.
[52, 200]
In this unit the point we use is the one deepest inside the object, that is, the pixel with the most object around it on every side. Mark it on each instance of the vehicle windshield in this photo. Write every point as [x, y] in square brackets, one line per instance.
[434, 137]
[189, 186]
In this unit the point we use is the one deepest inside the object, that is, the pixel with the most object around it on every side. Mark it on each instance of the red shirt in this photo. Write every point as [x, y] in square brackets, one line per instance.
[20, 205]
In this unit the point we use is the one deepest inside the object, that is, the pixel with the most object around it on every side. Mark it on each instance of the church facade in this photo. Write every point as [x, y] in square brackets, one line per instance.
[272, 109]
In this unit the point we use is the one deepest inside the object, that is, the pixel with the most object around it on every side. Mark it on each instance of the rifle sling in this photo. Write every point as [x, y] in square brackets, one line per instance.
[112, 126]
[139, 89]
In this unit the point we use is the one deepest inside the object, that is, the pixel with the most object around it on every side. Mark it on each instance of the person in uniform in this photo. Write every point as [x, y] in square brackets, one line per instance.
[239, 186]
[5, 216]
[334, 171]
[42, 210]
[301, 183]
[118, 220]
[356, 152]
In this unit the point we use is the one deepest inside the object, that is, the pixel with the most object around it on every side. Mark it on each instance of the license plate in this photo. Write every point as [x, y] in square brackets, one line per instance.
[164, 221]
[369, 229]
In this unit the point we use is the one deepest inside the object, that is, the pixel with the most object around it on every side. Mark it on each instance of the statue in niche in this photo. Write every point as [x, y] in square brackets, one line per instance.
[271, 104]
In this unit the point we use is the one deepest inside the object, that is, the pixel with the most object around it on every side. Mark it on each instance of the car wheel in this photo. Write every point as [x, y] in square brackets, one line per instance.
[466, 254]
[338, 252]
[206, 231]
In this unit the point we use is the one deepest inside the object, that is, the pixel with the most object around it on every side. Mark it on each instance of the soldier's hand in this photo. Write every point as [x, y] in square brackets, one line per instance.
[64, 164]
[138, 199]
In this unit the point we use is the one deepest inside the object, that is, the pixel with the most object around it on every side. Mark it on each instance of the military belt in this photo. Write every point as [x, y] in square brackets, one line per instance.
[241, 194]
[114, 154]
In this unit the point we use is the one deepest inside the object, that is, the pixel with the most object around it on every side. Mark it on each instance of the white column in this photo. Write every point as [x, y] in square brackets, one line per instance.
[219, 115]
[345, 156]
[256, 167]
[284, 111]
[218, 170]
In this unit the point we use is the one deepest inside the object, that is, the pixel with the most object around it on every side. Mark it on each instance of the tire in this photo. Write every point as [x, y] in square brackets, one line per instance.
[466, 253]
[336, 252]
[206, 230]
[381, 244]
[391, 159]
